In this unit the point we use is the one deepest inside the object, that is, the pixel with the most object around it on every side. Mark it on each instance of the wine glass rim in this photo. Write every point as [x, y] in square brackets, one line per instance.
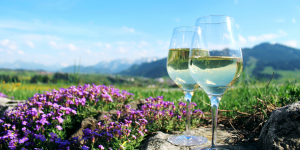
[214, 16]
[177, 28]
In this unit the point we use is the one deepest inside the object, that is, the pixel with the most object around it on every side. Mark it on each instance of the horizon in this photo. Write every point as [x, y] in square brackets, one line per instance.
[62, 32]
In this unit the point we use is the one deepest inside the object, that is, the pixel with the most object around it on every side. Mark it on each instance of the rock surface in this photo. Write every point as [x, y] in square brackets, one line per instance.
[282, 130]
[159, 141]
[7, 104]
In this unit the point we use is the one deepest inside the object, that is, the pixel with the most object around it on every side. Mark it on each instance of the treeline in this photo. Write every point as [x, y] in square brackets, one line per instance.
[9, 78]
[57, 77]
[82, 79]
[37, 78]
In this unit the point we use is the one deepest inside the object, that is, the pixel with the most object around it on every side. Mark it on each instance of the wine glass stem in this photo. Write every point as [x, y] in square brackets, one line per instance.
[188, 97]
[214, 100]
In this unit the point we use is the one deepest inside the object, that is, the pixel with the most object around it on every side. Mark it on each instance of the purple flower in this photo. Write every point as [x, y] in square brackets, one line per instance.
[59, 127]
[23, 140]
[60, 120]
[101, 147]
[24, 129]
[3, 95]
[85, 147]
[40, 137]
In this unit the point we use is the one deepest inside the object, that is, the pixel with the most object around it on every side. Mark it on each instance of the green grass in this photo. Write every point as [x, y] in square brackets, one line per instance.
[241, 97]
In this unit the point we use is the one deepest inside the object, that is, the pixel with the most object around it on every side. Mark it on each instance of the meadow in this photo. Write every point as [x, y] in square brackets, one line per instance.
[245, 106]
[240, 98]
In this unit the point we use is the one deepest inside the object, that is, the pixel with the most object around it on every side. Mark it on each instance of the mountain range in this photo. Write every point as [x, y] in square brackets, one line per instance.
[104, 67]
[255, 61]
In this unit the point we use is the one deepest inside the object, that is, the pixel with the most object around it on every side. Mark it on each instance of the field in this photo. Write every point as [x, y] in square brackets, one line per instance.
[241, 97]
[245, 106]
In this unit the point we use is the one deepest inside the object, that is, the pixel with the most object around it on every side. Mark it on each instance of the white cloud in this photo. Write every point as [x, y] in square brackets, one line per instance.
[64, 64]
[99, 44]
[20, 52]
[107, 45]
[293, 20]
[72, 47]
[291, 43]
[30, 44]
[88, 51]
[126, 29]
[7, 44]
[142, 44]
[267, 37]
[281, 20]
[53, 44]
[4, 42]
[122, 50]
[242, 39]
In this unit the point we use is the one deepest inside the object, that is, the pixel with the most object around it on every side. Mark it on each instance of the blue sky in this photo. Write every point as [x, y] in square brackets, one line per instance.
[61, 31]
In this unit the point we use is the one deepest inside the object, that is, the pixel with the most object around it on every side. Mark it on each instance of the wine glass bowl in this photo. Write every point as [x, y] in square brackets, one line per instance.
[178, 70]
[215, 60]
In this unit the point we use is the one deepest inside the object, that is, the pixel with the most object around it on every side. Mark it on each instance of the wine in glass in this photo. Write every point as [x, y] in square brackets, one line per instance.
[215, 60]
[178, 70]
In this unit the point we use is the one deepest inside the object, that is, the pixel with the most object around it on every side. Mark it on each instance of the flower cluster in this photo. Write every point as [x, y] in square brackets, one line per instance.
[155, 115]
[29, 125]
[5, 96]
[46, 120]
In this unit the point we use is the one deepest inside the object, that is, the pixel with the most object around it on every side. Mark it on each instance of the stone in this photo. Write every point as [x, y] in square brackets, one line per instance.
[282, 130]
[136, 104]
[89, 122]
[159, 141]
[7, 104]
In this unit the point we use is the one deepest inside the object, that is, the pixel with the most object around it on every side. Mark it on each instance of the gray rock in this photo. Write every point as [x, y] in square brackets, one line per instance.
[136, 104]
[282, 130]
[159, 141]
[7, 104]
[90, 123]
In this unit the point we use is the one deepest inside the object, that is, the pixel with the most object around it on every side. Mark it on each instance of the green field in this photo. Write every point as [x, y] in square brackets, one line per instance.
[241, 97]
[245, 106]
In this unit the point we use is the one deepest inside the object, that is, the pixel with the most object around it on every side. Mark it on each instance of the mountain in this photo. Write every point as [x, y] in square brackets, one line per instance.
[19, 64]
[152, 69]
[255, 60]
[83, 69]
[109, 67]
[119, 65]
[277, 56]
[104, 67]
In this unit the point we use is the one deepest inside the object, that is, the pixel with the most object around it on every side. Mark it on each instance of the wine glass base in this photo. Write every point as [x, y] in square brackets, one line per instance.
[209, 148]
[187, 140]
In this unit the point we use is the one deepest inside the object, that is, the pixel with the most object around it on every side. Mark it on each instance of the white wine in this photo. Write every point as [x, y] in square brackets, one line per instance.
[215, 74]
[178, 68]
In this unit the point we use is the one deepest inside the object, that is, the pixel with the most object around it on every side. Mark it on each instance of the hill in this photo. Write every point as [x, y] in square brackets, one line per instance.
[275, 56]
[151, 70]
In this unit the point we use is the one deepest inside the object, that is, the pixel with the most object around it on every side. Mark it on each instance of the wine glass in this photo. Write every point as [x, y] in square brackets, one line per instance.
[178, 70]
[215, 60]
